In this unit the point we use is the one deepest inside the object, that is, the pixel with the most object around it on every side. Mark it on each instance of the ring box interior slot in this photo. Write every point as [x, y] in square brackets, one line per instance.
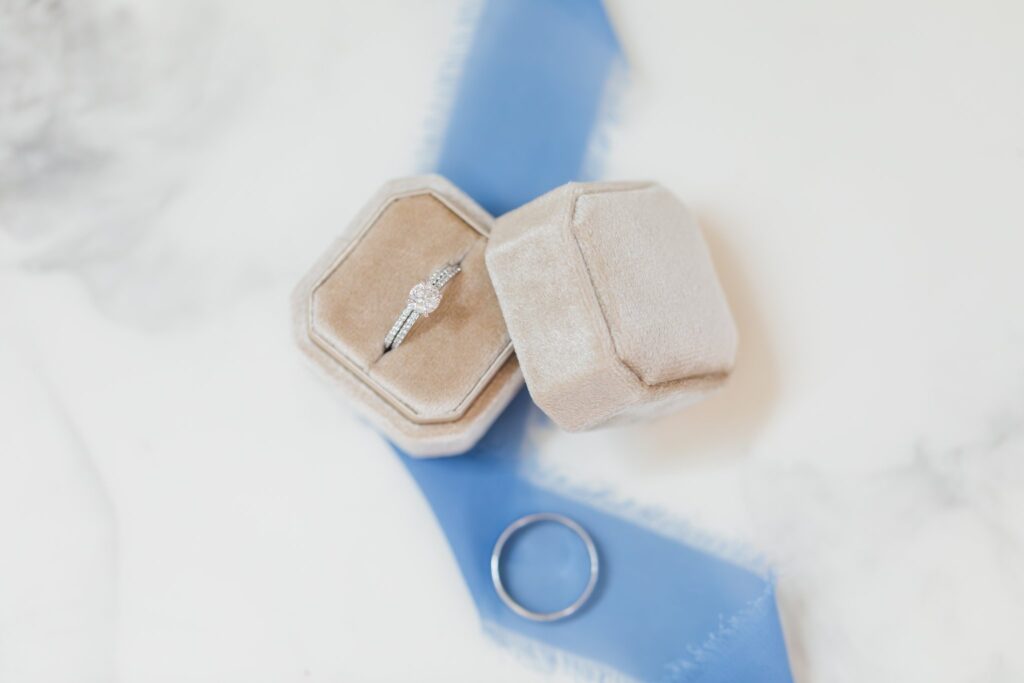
[437, 393]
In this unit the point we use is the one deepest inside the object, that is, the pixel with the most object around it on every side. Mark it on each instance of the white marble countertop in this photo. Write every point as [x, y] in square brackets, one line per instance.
[182, 500]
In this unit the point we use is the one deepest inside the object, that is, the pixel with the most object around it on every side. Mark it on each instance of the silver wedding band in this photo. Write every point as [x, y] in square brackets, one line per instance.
[499, 548]
[424, 298]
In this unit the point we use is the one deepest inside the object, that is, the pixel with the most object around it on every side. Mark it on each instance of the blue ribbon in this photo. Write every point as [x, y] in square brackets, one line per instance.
[530, 92]
[522, 118]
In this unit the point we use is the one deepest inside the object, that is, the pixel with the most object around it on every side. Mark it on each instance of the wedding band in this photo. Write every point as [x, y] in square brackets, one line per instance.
[424, 298]
[499, 548]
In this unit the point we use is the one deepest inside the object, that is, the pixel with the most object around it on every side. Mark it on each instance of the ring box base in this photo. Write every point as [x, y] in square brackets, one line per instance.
[439, 391]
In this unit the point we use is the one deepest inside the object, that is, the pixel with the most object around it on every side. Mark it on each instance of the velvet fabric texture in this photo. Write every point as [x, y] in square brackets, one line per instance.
[612, 302]
[606, 291]
[439, 391]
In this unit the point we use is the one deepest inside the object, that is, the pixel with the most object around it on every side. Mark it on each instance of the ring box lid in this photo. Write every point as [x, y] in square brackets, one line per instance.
[611, 301]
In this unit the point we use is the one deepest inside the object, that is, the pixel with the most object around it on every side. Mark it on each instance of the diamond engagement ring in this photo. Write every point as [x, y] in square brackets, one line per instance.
[424, 299]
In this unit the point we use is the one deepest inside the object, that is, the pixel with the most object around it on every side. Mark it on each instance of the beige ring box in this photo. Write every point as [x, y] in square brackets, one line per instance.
[602, 296]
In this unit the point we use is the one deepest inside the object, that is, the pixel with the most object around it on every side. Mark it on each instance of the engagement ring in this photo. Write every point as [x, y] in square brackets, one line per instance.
[424, 299]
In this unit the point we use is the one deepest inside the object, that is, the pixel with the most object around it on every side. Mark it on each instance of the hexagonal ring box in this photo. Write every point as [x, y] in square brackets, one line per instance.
[603, 293]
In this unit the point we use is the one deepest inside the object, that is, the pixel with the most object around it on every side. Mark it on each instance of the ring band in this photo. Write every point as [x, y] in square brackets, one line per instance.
[424, 298]
[499, 548]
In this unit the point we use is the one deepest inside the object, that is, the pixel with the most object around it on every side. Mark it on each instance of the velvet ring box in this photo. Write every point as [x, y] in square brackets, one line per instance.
[603, 293]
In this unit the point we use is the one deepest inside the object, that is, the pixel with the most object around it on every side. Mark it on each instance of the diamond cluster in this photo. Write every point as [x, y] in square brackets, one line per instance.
[424, 298]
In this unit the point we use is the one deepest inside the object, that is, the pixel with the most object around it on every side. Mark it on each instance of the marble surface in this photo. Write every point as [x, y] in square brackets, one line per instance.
[182, 500]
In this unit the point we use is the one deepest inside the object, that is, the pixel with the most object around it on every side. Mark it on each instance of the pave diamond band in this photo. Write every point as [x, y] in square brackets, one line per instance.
[424, 298]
